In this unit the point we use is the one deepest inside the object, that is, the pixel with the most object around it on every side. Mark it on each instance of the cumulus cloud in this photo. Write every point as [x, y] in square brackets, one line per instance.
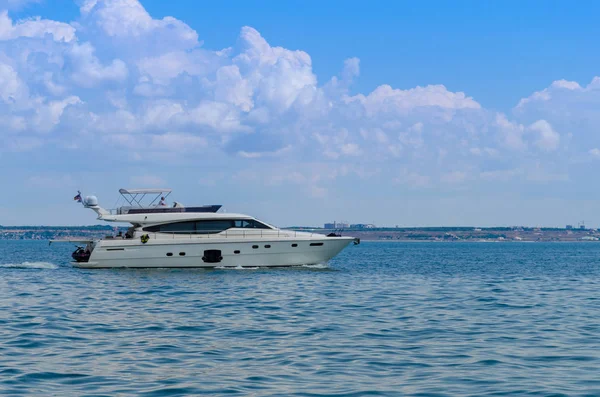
[511, 133]
[165, 67]
[570, 111]
[275, 76]
[12, 88]
[385, 99]
[34, 28]
[119, 79]
[88, 70]
[548, 139]
[129, 25]
[547, 94]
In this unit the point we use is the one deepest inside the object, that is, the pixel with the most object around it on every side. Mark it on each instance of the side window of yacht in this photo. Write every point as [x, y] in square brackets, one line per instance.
[213, 226]
[260, 225]
[241, 223]
[206, 226]
[179, 227]
[249, 224]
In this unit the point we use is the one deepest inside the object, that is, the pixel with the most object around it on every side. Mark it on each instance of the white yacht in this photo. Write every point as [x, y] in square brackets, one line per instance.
[163, 236]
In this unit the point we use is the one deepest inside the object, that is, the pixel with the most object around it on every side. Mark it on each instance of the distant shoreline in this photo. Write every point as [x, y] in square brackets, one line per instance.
[466, 234]
[406, 234]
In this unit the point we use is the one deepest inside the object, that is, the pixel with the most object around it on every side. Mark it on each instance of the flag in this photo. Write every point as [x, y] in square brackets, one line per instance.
[78, 197]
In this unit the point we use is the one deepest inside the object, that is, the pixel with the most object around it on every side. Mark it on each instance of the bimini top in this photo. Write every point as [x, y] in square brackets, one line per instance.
[143, 202]
[144, 191]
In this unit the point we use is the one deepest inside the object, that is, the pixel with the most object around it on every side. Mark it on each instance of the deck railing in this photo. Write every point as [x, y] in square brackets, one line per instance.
[223, 234]
[220, 234]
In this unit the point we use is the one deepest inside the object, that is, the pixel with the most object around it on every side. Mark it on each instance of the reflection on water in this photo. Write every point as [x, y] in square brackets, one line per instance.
[381, 319]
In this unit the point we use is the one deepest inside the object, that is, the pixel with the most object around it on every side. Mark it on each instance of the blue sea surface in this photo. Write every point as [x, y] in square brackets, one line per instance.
[382, 319]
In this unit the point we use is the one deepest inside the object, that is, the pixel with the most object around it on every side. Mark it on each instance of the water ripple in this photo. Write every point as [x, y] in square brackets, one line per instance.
[381, 319]
[29, 265]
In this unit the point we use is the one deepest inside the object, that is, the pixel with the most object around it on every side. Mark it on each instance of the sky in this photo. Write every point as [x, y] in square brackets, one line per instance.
[426, 113]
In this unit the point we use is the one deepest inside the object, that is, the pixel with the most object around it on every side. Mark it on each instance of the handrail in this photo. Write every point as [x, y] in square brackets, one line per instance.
[228, 234]
[227, 231]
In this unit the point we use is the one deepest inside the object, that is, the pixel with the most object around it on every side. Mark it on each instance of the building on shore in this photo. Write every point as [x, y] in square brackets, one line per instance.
[346, 225]
[336, 225]
[363, 226]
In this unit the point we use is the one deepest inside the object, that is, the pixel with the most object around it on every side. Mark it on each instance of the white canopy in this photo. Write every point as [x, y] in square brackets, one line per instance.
[144, 191]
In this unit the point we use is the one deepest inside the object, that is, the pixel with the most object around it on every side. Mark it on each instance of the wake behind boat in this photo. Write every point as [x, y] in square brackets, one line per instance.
[177, 236]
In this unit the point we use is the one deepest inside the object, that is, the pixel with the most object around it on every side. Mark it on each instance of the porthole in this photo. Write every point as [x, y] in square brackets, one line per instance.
[294, 245]
[267, 246]
[316, 244]
[169, 254]
[255, 246]
[236, 252]
[182, 254]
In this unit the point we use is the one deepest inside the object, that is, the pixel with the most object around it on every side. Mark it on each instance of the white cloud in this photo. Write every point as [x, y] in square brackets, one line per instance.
[413, 136]
[48, 116]
[232, 88]
[375, 135]
[89, 71]
[119, 79]
[217, 116]
[278, 77]
[157, 48]
[12, 89]
[385, 99]
[548, 93]
[351, 149]
[351, 69]
[162, 114]
[548, 139]
[34, 28]
[256, 155]
[511, 133]
[165, 67]
[128, 20]
[569, 85]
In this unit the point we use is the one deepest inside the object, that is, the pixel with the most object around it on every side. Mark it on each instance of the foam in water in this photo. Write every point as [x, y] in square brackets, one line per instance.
[29, 265]
[317, 266]
[236, 268]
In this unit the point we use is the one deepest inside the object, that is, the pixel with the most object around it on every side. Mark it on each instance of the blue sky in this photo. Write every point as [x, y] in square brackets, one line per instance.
[397, 113]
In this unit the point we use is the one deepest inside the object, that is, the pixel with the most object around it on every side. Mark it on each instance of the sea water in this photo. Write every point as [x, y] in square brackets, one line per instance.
[382, 319]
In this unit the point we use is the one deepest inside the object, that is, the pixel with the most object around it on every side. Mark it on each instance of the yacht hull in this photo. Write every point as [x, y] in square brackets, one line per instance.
[210, 253]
